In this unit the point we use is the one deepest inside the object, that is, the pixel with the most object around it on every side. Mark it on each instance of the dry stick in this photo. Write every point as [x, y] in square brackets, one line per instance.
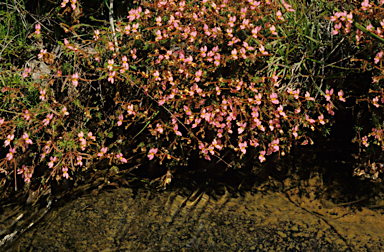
[111, 21]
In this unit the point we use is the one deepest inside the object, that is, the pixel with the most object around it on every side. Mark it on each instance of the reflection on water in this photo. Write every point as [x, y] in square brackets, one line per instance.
[306, 202]
[262, 219]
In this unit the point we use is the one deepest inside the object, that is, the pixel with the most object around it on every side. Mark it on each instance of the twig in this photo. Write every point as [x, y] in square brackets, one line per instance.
[111, 21]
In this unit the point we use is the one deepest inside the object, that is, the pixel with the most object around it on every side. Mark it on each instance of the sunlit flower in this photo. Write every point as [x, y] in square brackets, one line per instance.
[48, 119]
[103, 151]
[121, 158]
[65, 172]
[9, 139]
[65, 111]
[341, 94]
[152, 153]
[262, 156]
[27, 115]
[328, 94]
[243, 147]
[26, 138]
[75, 78]
[42, 95]
[37, 28]
[51, 162]
[120, 121]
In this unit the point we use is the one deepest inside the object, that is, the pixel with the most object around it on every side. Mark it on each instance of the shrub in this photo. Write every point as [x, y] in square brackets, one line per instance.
[173, 78]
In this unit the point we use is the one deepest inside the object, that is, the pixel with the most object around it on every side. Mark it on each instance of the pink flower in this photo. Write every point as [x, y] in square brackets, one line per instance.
[121, 158]
[273, 30]
[79, 161]
[262, 156]
[152, 153]
[275, 145]
[103, 151]
[258, 98]
[10, 154]
[329, 109]
[328, 94]
[27, 115]
[217, 59]
[296, 93]
[365, 141]
[42, 94]
[125, 64]
[337, 28]
[365, 4]
[159, 128]
[232, 21]
[75, 78]
[350, 18]
[26, 138]
[26, 72]
[274, 99]
[9, 139]
[249, 48]
[51, 162]
[158, 21]
[73, 4]
[110, 64]
[244, 24]
[25, 174]
[65, 172]
[234, 54]
[64, 110]
[243, 147]
[340, 94]
[111, 76]
[37, 27]
[241, 127]
[130, 110]
[175, 130]
[42, 53]
[279, 15]
[133, 52]
[96, 36]
[378, 57]
[255, 31]
[262, 50]
[121, 118]
[308, 97]
[91, 136]
[198, 75]
[321, 119]
[2, 121]
[135, 27]
[47, 120]
[294, 131]
[309, 120]
[217, 144]
[206, 31]
[376, 102]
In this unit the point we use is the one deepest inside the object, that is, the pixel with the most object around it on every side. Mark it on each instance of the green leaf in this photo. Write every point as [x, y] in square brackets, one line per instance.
[362, 28]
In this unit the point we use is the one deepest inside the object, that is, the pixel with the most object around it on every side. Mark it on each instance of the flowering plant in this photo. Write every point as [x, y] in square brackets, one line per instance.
[171, 78]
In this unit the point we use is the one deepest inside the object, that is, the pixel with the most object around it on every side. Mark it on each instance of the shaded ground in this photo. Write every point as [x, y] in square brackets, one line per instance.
[271, 217]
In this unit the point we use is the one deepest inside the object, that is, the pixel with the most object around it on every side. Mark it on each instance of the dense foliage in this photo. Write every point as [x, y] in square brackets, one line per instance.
[175, 77]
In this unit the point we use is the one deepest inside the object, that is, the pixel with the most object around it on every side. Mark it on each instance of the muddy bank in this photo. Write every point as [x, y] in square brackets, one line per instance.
[272, 216]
